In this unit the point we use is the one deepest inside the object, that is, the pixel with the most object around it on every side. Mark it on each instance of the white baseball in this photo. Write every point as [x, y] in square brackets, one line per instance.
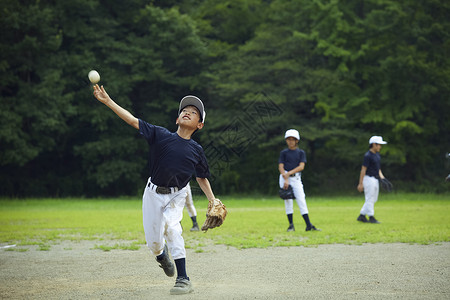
[94, 77]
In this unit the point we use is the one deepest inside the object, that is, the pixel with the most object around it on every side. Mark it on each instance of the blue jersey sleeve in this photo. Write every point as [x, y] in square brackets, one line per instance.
[282, 158]
[366, 161]
[151, 132]
[202, 168]
[302, 155]
[147, 130]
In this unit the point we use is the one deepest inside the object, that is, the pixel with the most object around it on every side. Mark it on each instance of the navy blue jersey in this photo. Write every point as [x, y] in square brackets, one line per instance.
[372, 163]
[173, 160]
[292, 158]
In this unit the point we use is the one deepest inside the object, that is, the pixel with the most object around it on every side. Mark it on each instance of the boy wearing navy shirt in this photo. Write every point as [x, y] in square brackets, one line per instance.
[368, 179]
[174, 158]
[290, 165]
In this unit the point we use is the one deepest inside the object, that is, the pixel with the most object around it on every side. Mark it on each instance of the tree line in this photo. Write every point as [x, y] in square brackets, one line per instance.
[337, 71]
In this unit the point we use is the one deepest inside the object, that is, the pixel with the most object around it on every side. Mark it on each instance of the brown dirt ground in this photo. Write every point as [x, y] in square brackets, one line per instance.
[372, 271]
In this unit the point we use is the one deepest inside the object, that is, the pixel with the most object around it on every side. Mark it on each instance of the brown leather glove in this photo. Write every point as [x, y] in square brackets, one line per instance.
[215, 214]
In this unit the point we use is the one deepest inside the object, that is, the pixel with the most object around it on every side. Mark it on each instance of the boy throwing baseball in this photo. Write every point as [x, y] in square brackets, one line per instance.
[174, 158]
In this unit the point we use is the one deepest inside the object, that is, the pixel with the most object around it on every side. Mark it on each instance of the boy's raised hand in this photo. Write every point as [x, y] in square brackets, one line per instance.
[101, 94]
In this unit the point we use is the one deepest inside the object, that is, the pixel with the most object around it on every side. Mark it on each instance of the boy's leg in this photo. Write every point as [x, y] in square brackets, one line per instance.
[300, 197]
[164, 262]
[189, 202]
[289, 207]
[371, 189]
[191, 209]
[194, 224]
[173, 213]
[153, 221]
[299, 193]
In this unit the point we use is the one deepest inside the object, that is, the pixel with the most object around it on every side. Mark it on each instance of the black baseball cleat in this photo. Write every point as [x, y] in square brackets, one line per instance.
[373, 220]
[291, 228]
[195, 227]
[166, 264]
[362, 218]
[312, 228]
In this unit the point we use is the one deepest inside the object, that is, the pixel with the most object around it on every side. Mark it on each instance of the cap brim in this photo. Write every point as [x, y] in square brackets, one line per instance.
[194, 101]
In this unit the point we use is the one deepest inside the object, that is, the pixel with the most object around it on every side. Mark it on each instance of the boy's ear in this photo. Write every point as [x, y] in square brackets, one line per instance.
[200, 125]
[176, 122]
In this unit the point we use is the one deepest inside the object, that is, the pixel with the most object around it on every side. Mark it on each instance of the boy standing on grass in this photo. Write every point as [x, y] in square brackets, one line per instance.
[368, 179]
[174, 158]
[290, 165]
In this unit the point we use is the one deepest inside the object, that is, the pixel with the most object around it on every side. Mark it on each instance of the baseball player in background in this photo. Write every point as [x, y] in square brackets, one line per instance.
[368, 179]
[174, 158]
[191, 208]
[290, 165]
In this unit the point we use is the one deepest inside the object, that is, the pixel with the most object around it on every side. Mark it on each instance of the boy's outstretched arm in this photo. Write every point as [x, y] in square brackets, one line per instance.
[206, 188]
[103, 97]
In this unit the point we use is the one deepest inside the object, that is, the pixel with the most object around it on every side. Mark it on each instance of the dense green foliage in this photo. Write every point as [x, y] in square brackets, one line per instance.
[338, 71]
[251, 222]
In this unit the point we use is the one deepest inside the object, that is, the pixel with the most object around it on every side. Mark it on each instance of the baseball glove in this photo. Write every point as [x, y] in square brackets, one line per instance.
[386, 185]
[215, 215]
[286, 194]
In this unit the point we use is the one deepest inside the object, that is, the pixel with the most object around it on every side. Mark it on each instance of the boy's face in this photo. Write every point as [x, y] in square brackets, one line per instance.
[376, 147]
[291, 142]
[190, 118]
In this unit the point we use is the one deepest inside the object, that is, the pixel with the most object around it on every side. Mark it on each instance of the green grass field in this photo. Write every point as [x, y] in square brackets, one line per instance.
[117, 223]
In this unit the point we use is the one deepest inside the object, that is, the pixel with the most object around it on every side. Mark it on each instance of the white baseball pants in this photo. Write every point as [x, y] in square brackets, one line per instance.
[297, 186]
[161, 218]
[189, 202]
[371, 190]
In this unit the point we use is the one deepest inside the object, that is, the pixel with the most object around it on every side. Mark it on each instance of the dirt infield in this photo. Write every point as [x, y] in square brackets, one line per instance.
[378, 271]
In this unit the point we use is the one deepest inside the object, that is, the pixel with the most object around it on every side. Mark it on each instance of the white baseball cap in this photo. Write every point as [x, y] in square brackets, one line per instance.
[194, 101]
[376, 139]
[292, 133]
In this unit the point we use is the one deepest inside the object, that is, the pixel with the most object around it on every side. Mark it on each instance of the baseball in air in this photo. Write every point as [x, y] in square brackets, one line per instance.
[94, 77]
